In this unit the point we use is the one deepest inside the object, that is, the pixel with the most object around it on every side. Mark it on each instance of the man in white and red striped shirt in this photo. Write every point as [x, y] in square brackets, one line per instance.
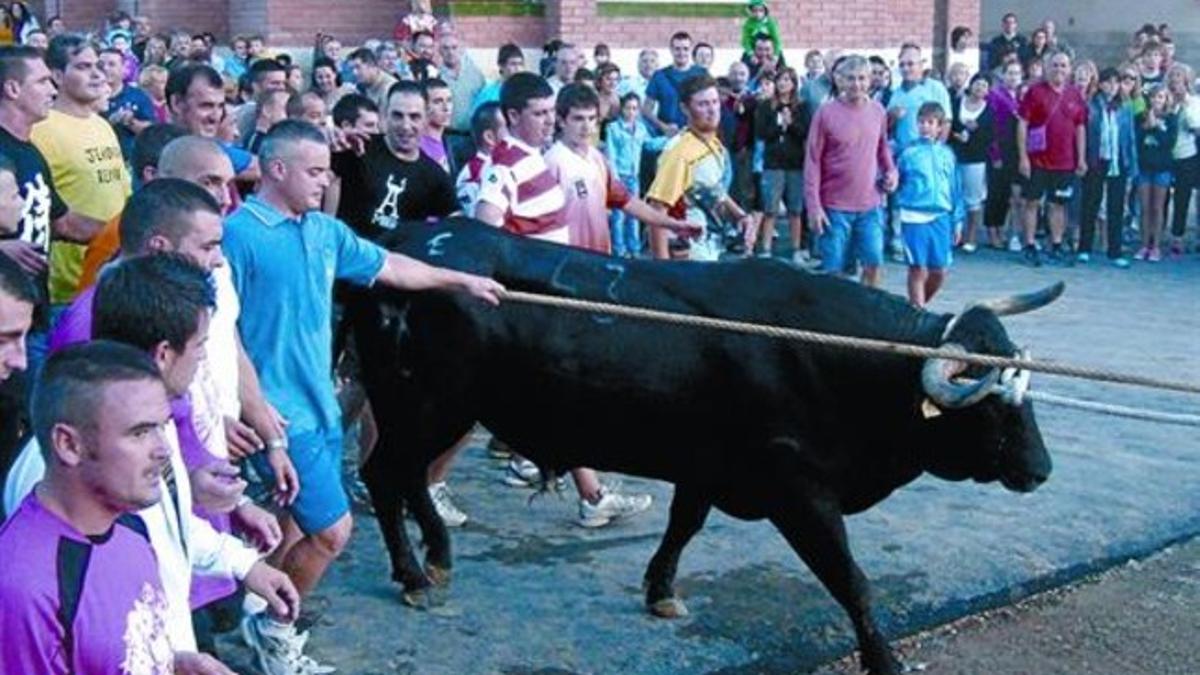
[519, 193]
[487, 128]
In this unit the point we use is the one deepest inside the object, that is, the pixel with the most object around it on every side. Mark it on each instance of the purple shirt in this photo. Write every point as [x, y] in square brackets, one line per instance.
[78, 604]
[75, 325]
[1003, 104]
[435, 149]
[847, 151]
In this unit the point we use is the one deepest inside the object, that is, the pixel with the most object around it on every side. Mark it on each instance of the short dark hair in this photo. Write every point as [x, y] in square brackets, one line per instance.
[63, 48]
[932, 109]
[350, 107]
[14, 62]
[600, 48]
[704, 45]
[288, 132]
[681, 35]
[433, 83]
[408, 87]
[758, 37]
[419, 34]
[576, 96]
[1109, 73]
[149, 299]
[877, 60]
[324, 62]
[630, 96]
[694, 85]
[162, 207]
[69, 388]
[365, 55]
[180, 80]
[1012, 15]
[295, 103]
[509, 51]
[16, 284]
[148, 146]
[485, 118]
[584, 75]
[261, 67]
[518, 90]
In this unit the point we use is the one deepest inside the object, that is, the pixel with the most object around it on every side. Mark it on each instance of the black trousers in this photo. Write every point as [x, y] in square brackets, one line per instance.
[1187, 180]
[1000, 182]
[1095, 186]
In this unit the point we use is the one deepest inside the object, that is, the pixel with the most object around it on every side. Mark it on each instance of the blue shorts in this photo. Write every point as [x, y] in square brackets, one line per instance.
[1155, 178]
[853, 235]
[318, 460]
[929, 244]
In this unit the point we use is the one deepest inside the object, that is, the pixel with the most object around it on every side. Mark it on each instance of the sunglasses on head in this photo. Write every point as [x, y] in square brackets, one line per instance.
[1129, 78]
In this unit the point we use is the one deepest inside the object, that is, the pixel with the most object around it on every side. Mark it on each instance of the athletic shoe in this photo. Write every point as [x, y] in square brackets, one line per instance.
[1176, 248]
[969, 247]
[1121, 263]
[278, 648]
[612, 506]
[1014, 244]
[498, 449]
[765, 253]
[525, 474]
[1142, 254]
[1083, 257]
[450, 513]
[1155, 255]
[1032, 258]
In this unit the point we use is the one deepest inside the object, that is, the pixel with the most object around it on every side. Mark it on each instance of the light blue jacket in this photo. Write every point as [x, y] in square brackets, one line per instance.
[624, 148]
[929, 180]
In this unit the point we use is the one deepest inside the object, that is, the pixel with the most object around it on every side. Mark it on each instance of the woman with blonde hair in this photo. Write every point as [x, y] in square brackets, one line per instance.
[1186, 154]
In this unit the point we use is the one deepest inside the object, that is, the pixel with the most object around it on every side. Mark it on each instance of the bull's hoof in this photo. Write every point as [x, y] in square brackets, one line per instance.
[668, 608]
[423, 598]
[440, 576]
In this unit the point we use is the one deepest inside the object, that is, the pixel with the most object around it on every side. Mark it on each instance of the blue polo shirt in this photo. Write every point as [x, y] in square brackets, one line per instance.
[283, 270]
[664, 88]
[911, 98]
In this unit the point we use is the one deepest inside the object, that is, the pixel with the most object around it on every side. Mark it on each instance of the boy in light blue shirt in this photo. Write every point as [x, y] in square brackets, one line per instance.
[930, 205]
[625, 138]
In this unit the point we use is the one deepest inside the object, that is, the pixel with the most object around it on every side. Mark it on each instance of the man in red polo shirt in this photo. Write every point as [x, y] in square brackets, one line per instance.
[1051, 138]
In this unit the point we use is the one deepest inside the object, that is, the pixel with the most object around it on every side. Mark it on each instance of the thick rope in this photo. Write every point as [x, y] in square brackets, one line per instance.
[1182, 419]
[849, 342]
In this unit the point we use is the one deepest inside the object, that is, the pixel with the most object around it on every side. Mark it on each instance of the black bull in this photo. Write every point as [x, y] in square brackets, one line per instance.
[757, 427]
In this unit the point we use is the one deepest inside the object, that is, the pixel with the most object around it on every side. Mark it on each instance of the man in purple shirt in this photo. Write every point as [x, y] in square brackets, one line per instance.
[847, 161]
[84, 596]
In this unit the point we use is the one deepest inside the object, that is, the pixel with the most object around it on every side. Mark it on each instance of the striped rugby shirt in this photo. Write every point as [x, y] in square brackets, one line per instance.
[519, 183]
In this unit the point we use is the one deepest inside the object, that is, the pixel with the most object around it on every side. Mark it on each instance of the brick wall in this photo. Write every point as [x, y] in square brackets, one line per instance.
[193, 16]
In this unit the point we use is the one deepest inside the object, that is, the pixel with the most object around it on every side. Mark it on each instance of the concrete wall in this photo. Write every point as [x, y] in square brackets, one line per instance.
[1100, 29]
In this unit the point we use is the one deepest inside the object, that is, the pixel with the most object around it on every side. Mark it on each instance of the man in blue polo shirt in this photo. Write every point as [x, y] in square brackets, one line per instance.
[285, 255]
[914, 91]
[662, 93]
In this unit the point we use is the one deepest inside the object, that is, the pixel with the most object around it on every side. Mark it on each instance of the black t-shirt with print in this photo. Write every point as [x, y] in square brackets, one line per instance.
[380, 190]
[42, 205]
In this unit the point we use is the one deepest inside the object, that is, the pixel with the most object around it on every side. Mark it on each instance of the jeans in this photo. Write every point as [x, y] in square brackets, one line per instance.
[624, 227]
[1095, 186]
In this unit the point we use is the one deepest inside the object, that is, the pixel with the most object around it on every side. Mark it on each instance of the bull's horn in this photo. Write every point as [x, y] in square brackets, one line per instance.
[938, 385]
[1022, 302]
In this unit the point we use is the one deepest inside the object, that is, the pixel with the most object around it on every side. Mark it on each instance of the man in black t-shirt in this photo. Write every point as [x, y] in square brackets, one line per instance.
[392, 181]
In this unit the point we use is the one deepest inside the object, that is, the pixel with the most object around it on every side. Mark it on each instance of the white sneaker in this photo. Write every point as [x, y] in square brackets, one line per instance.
[1014, 244]
[278, 648]
[449, 512]
[524, 473]
[612, 506]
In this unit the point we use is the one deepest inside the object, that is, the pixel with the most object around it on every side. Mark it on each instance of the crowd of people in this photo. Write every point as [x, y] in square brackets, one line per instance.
[175, 216]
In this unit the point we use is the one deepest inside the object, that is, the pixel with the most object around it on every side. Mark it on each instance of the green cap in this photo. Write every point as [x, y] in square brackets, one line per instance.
[757, 3]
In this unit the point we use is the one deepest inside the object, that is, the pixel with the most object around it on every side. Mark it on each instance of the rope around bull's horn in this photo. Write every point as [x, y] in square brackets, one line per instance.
[849, 342]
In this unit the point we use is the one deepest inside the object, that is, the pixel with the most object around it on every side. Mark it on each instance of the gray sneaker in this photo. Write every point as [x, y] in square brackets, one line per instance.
[278, 648]
[612, 506]
[449, 512]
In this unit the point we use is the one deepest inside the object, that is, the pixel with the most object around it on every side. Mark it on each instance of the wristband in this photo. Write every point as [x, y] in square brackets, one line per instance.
[277, 444]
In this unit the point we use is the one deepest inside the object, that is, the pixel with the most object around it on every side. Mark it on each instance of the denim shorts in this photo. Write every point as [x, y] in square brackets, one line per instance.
[928, 244]
[781, 186]
[853, 235]
[322, 500]
[1155, 178]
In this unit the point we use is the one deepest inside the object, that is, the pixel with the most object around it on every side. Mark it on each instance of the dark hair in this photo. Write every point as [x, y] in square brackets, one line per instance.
[877, 60]
[694, 85]
[981, 75]
[576, 96]
[365, 55]
[606, 68]
[261, 67]
[288, 132]
[180, 80]
[72, 382]
[407, 87]
[149, 299]
[13, 280]
[432, 83]
[584, 75]
[957, 34]
[630, 96]
[600, 48]
[284, 60]
[148, 146]
[518, 90]
[932, 109]
[680, 35]
[324, 62]
[1109, 73]
[485, 118]
[162, 207]
[14, 62]
[421, 33]
[350, 107]
[1006, 17]
[63, 48]
[758, 37]
[703, 45]
[507, 52]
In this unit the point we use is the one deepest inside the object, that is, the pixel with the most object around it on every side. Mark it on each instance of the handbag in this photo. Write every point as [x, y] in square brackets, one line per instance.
[1035, 138]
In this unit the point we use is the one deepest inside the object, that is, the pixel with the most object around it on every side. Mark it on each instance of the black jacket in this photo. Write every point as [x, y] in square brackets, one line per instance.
[783, 148]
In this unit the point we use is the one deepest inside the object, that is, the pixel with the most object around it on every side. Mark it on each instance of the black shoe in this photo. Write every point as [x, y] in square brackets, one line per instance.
[1059, 256]
[1032, 258]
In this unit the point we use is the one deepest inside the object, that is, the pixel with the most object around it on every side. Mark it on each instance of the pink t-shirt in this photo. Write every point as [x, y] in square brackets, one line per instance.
[847, 151]
[590, 191]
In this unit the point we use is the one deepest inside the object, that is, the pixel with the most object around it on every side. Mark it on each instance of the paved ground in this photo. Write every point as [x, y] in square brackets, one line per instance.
[534, 594]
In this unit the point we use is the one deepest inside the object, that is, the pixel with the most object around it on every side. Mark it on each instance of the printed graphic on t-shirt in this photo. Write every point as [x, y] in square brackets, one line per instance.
[147, 648]
[387, 214]
[35, 213]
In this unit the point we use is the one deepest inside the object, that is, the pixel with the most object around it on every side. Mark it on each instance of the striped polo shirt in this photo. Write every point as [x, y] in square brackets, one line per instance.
[519, 183]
